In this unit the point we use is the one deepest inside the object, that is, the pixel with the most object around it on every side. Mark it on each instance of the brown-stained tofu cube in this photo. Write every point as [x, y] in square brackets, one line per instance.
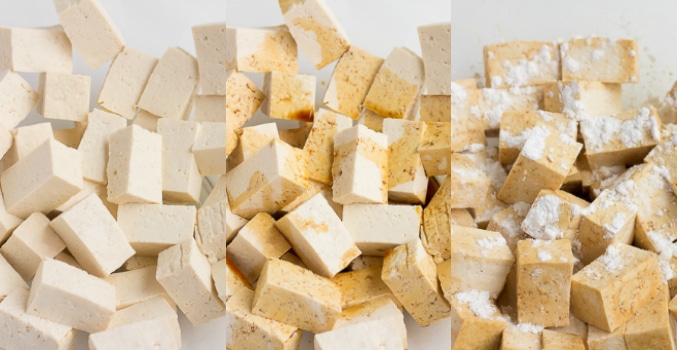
[561, 341]
[290, 96]
[319, 146]
[600, 59]
[495, 101]
[371, 120]
[411, 274]
[578, 99]
[610, 290]
[575, 326]
[522, 336]
[296, 137]
[624, 138]
[476, 323]
[521, 63]
[243, 99]
[436, 230]
[480, 260]
[295, 296]
[554, 215]
[544, 163]
[435, 148]
[651, 327]
[407, 180]
[467, 186]
[251, 140]
[361, 286]
[544, 270]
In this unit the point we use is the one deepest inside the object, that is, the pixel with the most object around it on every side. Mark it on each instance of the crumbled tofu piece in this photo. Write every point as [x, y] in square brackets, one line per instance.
[209, 148]
[36, 50]
[210, 47]
[436, 49]
[578, 98]
[261, 50]
[64, 96]
[319, 146]
[361, 286]
[290, 96]
[17, 99]
[93, 147]
[407, 179]
[600, 59]
[476, 323]
[521, 63]
[136, 286]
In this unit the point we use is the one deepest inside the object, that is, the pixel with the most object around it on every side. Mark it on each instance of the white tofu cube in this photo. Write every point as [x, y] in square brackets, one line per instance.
[219, 277]
[146, 120]
[88, 26]
[125, 81]
[152, 228]
[35, 50]
[93, 147]
[372, 334]
[181, 180]
[213, 108]
[47, 177]
[152, 308]
[9, 279]
[436, 49]
[17, 99]
[134, 168]
[171, 85]
[210, 46]
[377, 228]
[68, 295]
[216, 224]
[93, 236]
[135, 287]
[209, 148]
[261, 50]
[64, 96]
[138, 335]
[26, 140]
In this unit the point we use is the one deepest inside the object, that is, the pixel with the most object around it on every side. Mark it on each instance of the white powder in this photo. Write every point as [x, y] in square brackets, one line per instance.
[612, 260]
[521, 208]
[496, 81]
[571, 64]
[525, 70]
[544, 256]
[545, 116]
[514, 141]
[632, 53]
[567, 140]
[510, 226]
[568, 94]
[491, 242]
[490, 54]
[474, 147]
[597, 55]
[475, 111]
[478, 302]
[611, 229]
[458, 94]
[598, 131]
[543, 217]
[534, 146]
[499, 100]
[529, 328]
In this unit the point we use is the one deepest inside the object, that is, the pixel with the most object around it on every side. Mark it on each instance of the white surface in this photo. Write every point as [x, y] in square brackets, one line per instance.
[151, 26]
[376, 26]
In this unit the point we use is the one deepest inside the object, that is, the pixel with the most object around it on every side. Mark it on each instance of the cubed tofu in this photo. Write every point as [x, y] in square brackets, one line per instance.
[147, 120]
[523, 336]
[476, 323]
[371, 120]
[216, 224]
[600, 59]
[209, 148]
[467, 186]
[210, 46]
[251, 140]
[507, 221]
[349, 83]
[554, 215]
[136, 286]
[561, 341]
[361, 286]
[437, 108]
[599, 339]
[296, 137]
[142, 334]
[435, 149]
[17, 99]
[290, 96]
[261, 50]
[493, 102]
[319, 146]
[64, 96]
[181, 180]
[125, 81]
[521, 63]
[435, 42]
[36, 50]
[235, 280]
[26, 139]
[9, 279]
[578, 98]
[217, 108]
[368, 334]
[377, 228]
[652, 326]
[436, 229]
[407, 179]
[220, 279]
[468, 120]
[93, 147]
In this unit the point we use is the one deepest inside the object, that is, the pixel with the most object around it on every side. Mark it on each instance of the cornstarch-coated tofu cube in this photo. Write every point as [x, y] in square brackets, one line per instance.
[32, 241]
[578, 98]
[181, 180]
[245, 330]
[522, 336]
[125, 81]
[468, 122]
[209, 148]
[185, 274]
[396, 87]
[256, 242]
[554, 215]
[290, 96]
[261, 50]
[21, 330]
[93, 236]
[476, 323]
[44, 179]
[93, 147]
[467, 186]
[251, 140]
[36, 50]
[362, 286]
[411, 274]
[17, 99]
[495, 101]
[68, 295]
[171, 85]
[521, 63]
[407, 179]
[611, 289]
[319, 237]
[210, 46]
[319, 146]
[480, 260]
[544, 270]
[64, 96]
[134, 168]
[9, 278]
[600, 59]
[295, 296]
[92, 32]
[137, 286]
[267, 181]
[507, 221]
[561, 341]
[360, 168]
[316, 30]
[377, 228]
[435, 42]
[350, 81]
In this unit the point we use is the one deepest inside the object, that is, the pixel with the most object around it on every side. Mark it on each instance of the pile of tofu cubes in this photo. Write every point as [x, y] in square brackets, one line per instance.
[336, 226]
[104, 220]
[563, 203]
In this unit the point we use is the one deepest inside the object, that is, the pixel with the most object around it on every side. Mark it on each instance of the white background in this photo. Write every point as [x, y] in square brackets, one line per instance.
[376, 26]
[151, 26]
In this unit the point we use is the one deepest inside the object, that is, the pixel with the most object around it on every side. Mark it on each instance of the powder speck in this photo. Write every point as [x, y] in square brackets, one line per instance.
[544, 256]
[534, 146]
[478, 302]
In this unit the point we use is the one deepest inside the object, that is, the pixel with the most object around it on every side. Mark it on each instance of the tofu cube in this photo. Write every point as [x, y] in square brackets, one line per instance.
[436, 49]
[147, 333]
[579, 99]
[147, 120]
[543, 163]
[652, 326]
[480, 260]
[599, 339]
[22, 330]
[216, 224]
[360, 168]
[444, 276]
[135, 287]
[125, 81]
[9, 279]
[245, 330]
[407, 180]
[209, 148]
[36, 50]
[64, 96]
[219, 277]
[267, 181]
[251, 140]
[507, 221]
[561, 341]
[210, 46]
[316, 30]
[319, 146]
[396, 87]
[152, 228]
[411, 274]
[256, 242]
[544, 270]
[290, 96]
[521, 63]
[181, 180]
[435, 149]
[17, 99]
[467, 186]
[319, 237]
[93, 236]
[378, 228]
[369, 334]
[468, 121]
[68, 295]
[611, 289]
[600, 59]
[32, 241]
[215, 108]
[554, 215]
[26, 139]
[261, 50]
[436, 108]
[185, 274]
[295, 296]
[476, 323]
[361, 286]
[436, 229]
[523, 336]
[93, 147]
[171, 85]
[349, 83]
[134, 167]
[493, 102]
[371, 120]
[41, 181]
[234, 281]
[296, 137]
